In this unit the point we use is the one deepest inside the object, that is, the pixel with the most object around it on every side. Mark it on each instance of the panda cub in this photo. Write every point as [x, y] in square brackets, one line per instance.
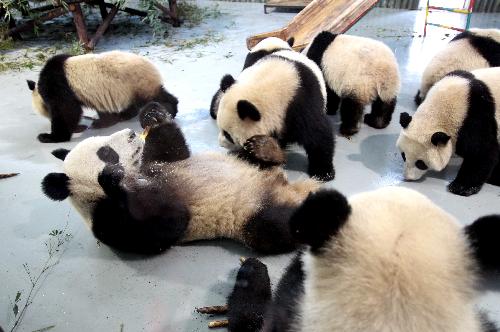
[145, 196]
[283, 95]
[358, 71]
[383, 261]
[469, 50]
[115, 84]
[264, 47]
[460, 114]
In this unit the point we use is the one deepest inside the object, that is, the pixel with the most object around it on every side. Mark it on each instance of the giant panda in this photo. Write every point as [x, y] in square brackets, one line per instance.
[115, 84]
[469, 50]
[282, 95]
[264, 47]
[388, 260]
[358, 71]
[460, 114]
[145, 196]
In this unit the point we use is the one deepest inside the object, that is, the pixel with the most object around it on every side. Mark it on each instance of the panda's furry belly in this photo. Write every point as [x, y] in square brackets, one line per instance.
[221, 192]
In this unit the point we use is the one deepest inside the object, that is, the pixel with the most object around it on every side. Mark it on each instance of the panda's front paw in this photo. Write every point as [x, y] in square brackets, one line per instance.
[264, 148]
[375, 122]
[348, 131]
[110, 177]
[50, 138]
[463, 190]
[154, 114]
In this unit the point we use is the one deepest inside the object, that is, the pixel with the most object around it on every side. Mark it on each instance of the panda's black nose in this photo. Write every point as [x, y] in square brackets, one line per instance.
[131, 135]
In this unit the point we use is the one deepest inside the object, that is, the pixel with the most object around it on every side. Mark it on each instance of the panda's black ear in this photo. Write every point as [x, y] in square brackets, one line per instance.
[404, 119]
[319, 218]
[226, 82]
[290, 41]
[56, 186]
[440, 138]
[31, 84]
[60, 153]
[247, 110]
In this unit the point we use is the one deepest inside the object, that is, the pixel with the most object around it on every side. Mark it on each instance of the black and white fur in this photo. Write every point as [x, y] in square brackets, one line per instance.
[460, 115]
[264, 47]
[283, 95]
[144, 197]
[358, 71]
[115, 84]
[469, 50]
[386, 260]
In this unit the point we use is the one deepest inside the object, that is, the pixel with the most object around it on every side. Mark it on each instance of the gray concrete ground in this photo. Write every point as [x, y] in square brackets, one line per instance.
[93, 288]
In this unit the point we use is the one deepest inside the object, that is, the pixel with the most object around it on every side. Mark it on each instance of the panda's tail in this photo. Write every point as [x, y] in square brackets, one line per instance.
[484, 238]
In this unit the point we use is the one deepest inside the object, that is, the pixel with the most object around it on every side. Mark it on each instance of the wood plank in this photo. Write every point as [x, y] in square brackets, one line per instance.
[336, 16]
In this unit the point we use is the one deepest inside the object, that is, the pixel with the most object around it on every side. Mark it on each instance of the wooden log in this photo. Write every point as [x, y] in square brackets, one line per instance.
[29, 25]
[128, 10]
[79, 20]
[102, 28]
[174, 13]
[102, 9]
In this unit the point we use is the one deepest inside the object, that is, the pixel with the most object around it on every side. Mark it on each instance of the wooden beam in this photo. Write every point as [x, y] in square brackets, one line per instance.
[102, 9]
[128, 10]
[79, 20]
[102, 28]
[29, 25]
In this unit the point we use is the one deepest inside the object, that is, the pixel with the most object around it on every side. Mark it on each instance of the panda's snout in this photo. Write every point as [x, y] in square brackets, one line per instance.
[131, 134]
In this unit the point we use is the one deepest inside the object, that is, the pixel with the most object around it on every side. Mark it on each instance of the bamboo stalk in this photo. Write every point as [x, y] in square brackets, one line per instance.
[7, 175]
[213, 310]
[218, 323]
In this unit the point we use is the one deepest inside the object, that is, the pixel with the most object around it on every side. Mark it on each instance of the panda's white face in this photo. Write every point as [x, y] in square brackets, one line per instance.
[84, 163]
[419, 158]
[38, 104]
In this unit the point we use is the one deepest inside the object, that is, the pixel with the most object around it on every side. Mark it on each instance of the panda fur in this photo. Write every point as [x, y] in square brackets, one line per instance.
[460, 114]
[115, 84]
[469, 50]
[283, 96]
[358, 71]
[144, 197]
[264, 47]
[383, 261]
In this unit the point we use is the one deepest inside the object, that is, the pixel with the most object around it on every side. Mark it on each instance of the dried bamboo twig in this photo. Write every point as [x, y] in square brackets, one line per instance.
[7, 175]
[218, 323]
[213, 310]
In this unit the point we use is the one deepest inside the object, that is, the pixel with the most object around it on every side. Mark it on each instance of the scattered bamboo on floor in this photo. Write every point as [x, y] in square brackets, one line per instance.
[7, 175]
[218, 323]
[213, 310]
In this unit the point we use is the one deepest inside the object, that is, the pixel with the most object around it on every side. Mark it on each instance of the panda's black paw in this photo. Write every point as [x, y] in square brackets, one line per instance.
[265, 149]
[375, 122]
[110, 177]
[50, 138]
[322, 175]
[348, 131]
[463, 190]
[154, 114]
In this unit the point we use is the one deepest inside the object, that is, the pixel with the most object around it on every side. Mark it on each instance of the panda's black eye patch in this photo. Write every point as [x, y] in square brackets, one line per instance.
[227, 136]
[421, 165]
[108, 155]
[403, 156]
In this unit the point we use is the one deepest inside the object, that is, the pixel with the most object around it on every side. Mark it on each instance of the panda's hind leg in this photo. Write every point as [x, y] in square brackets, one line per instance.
[495, 175]
[105, 120]
[381, 113]
[167, 100]
[332, 101]
[351, 111]
[65, 115]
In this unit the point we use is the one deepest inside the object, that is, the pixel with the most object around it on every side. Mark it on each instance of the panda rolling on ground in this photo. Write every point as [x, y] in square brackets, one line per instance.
[264, 47]
[283, 95]
[461, 114]
[469, 50]
[358, 71]
[144, 197]
[115, 84]
[383, 261]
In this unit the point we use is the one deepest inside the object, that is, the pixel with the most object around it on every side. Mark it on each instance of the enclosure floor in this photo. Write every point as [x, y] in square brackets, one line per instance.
[93, 288]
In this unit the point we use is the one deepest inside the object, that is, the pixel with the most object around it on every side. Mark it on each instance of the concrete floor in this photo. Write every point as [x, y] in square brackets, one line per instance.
[93, 288]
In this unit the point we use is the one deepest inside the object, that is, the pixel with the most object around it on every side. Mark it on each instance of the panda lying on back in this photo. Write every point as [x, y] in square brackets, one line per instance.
[469, 50]
[384, 261]
[460, 114]
[264, 47]
[145, 197]
[115, 84]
